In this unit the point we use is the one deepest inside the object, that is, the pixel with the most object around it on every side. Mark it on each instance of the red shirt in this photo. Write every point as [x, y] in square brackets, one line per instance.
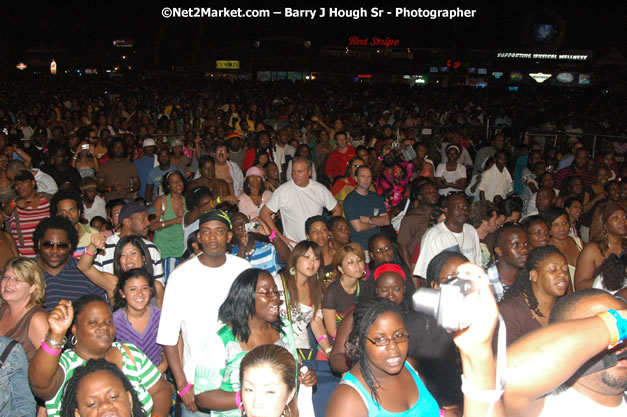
[338, 162]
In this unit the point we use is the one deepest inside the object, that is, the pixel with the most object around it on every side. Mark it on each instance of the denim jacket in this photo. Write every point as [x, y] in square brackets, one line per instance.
[16, 398]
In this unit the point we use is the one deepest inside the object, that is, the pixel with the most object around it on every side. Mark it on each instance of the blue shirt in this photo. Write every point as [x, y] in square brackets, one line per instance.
[155, 177]
[16, 399]
[69, 284]
[264, 257]
[426, 406]
[144, 166]
[356, 205]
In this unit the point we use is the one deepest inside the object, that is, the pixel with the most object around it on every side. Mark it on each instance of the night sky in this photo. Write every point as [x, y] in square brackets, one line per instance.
[90, 28]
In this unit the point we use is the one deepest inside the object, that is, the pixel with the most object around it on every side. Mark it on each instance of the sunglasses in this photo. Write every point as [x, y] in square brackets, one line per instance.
[48, 244]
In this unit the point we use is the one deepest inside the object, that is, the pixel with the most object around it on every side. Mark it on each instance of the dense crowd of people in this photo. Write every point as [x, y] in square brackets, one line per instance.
[210, 243]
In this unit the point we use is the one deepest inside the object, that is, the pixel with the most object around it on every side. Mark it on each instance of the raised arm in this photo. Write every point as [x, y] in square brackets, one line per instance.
[546, 358]
[44, 373]
[104, 280]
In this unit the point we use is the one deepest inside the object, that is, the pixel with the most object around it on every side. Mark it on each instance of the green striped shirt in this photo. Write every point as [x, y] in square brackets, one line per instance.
[142, 377]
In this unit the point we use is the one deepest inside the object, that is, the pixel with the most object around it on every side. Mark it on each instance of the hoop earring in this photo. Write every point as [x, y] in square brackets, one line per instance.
[292, 271]
[364, 274]
[74, 340]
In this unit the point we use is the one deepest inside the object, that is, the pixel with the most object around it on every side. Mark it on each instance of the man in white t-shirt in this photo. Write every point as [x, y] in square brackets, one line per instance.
[453, 234]
[298, 200]
[567, 369]
[496, 181]
[195, 291]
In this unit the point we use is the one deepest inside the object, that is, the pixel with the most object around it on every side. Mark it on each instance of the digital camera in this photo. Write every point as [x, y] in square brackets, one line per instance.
[451, 305]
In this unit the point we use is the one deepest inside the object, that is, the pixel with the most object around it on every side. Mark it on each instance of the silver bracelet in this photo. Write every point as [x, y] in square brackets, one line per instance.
[53, 344]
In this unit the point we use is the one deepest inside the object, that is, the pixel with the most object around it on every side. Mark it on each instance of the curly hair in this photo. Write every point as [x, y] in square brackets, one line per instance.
[57, 223]
[240, 303]
[366, 313]
[614, 270]
[69, 402]
[66, 195]
[522, 285]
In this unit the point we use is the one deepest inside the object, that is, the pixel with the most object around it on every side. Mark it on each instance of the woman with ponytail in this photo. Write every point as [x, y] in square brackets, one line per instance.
[528, 303]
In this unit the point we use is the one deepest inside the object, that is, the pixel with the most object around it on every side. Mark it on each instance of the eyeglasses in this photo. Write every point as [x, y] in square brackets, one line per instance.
[379, 251]
[270, 294]
[400, 337]
[49, 244]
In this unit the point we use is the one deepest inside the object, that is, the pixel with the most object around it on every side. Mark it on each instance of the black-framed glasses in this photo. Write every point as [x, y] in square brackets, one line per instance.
[270, 294]
[400, 337]
[49, 244]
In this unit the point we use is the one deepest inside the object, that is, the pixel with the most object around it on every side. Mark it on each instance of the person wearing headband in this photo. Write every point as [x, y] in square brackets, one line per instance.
[195, 291]
[450, 175]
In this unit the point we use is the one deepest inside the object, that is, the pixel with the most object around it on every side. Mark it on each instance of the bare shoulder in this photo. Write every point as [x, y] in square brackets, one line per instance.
[346, 402]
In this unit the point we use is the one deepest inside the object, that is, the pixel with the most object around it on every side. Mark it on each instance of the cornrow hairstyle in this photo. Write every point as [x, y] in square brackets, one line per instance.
[239, 304]
[522, 285]
[366, 313]
[193, 196]
[69, 402]
[438, 261]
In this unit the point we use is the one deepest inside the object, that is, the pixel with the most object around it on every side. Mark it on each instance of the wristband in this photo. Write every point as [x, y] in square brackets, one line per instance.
[49, 350]
[238, 399]
[474, 393]
[324, 336]
[184, 390]
[442, 412]
[219, 200]
[272, 236]
[89, 254]
[12, 203]
[616, 325]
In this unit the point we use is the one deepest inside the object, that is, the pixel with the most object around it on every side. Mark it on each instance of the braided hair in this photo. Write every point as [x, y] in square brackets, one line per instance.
[69, 402]
[366, 313]
[522, 285]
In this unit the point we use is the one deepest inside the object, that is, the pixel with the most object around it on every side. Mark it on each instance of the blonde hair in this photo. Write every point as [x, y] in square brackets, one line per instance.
[342, 253]
[28, 271]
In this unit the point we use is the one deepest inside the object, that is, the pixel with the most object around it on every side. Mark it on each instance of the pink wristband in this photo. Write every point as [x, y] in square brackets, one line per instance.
[48, 349]
[184, 390]
[89, 254]
[321, 338]
[272, 236]
[238, 399]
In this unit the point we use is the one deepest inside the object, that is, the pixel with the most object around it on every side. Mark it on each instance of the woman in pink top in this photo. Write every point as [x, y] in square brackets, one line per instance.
[255, 194]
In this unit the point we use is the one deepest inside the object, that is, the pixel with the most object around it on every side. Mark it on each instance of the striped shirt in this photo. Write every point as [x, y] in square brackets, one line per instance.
[69, 284]
[560, 176]
[146, 341]
[29, 219]
[105, 262]
[264, 257]
[139, 370]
